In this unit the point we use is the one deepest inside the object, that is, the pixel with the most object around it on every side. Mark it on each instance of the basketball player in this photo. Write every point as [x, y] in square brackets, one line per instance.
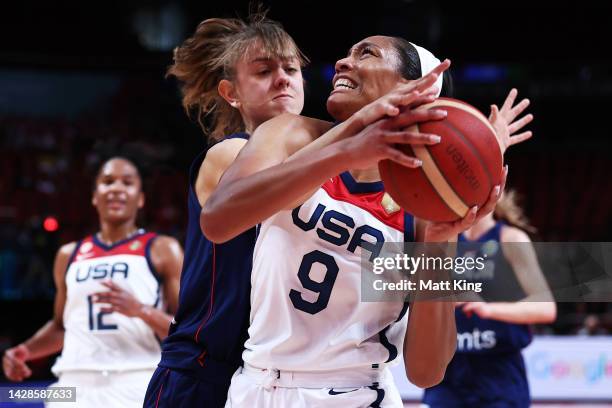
[488, 368]
[116, 291]
[238, 75]
[311, 341]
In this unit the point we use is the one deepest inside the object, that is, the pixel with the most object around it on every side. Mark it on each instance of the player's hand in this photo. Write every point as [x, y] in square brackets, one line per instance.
[505, 121]
[480, 309]
[119, 300]
[445, 231]
[14, 363]
[378, 141]
[411, 94]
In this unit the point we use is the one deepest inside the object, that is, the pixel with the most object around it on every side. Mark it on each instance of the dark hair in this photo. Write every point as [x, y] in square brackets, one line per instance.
[210, 55]
[410, 65]
[133, 161]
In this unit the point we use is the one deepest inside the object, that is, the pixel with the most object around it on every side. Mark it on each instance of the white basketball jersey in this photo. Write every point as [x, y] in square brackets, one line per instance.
[96, 340]
[306, 308]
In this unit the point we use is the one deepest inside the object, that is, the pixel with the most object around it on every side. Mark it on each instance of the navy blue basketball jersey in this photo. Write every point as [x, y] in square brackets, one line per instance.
[208, 332]
[485, 336]
[487, 369]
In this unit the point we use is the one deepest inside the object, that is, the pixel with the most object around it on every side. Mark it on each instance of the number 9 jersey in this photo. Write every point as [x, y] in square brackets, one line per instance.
[306, 308]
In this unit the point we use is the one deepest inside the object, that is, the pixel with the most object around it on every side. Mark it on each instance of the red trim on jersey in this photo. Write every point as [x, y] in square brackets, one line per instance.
[161, 388]
[370, 202]
[137, 245]
[212, 299]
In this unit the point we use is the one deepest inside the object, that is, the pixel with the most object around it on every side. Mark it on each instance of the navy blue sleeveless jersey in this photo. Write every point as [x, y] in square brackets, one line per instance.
[488, 369]
[210, 327]
[485, 336]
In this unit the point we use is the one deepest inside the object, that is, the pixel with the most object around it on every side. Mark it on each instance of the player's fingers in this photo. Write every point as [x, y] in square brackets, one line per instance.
[518, 109]
[509, 100]
[428, 80]
[407, 137]
[491, 202]
[494, 113]
[402, 158]
[412, 116]
[519, 124]
[19, 368]
[521, 137]
[106, 297]
[111, 285]
[404, 99]
[391, 109]
[423, 99]
[467, 221]
[425, 82]
[107, 309]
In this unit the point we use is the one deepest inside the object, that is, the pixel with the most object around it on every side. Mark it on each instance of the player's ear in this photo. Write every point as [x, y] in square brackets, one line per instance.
[227, 90]
[94, 199]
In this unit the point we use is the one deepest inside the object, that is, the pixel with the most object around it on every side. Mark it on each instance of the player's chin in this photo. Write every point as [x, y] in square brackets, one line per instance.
[340, 106]
[286, 105]
[118, 216]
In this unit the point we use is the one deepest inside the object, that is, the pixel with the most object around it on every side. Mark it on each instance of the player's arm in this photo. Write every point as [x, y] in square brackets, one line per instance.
[256, 186]
[167, 259]
[218, 158]
[538, 306]
[267, 177]
[431, 335]
[289, 157]
[49, 339]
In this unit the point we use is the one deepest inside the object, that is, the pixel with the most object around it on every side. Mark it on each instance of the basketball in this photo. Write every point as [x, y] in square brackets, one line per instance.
[457, 173]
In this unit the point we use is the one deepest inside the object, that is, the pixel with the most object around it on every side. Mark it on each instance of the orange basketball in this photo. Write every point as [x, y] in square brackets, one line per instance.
[457, 173]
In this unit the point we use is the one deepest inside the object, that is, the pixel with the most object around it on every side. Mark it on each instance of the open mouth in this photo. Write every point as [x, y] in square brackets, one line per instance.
[344, 83]
[114, 204]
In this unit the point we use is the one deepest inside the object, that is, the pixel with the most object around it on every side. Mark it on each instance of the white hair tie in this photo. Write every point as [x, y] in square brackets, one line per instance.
[428, 62]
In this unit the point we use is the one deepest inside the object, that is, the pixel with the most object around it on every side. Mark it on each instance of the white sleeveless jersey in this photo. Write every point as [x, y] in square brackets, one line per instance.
[306, 308]
[96, 340]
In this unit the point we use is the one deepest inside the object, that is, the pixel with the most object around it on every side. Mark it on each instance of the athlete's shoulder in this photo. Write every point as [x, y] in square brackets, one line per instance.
[223, 153]
[218, 158]
[166, 255]
[63, 258]
[509, 233]
[66, 250]
[165, 243]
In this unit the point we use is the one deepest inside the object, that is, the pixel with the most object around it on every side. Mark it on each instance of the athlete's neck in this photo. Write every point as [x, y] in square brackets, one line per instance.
[112, 233]
[366, 176]
[480, 228]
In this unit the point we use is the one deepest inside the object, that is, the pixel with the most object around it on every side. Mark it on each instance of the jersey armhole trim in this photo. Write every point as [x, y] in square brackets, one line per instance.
[73, 255]
[154, 272]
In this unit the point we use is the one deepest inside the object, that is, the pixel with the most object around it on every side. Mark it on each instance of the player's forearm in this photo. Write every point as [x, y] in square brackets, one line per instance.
[48, 340]
[523, 312]
[157, 320]
[237, 205]
[430, 342]
[343, 130]
[431, 336]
